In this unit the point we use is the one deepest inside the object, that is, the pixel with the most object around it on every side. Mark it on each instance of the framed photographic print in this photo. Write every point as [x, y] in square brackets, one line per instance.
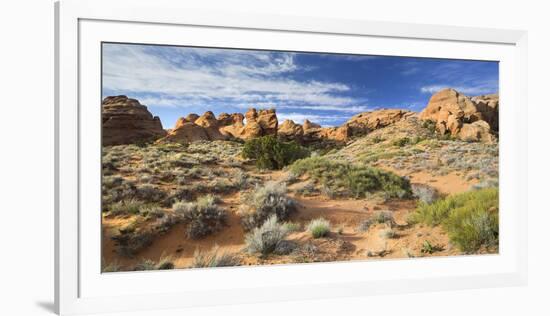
[209, 158]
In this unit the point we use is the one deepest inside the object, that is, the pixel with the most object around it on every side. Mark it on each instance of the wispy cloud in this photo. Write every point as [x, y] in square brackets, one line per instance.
[324, 120]
[410, 71]
[180, 77]
[325, 88]
[463, 76]
[478, 89]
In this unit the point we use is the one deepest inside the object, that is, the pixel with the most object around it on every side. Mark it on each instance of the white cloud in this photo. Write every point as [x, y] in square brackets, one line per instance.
[183, 76]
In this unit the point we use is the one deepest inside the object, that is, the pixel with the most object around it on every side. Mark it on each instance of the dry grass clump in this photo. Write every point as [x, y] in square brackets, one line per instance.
[389, 233]
[264, 202]
[110, 267]
[319, 227]
[424, 193]
[265, 239]
[150, 193]
[379, 217]
[125, 207]
[203, 216]
[132, 239]
[213, 258]
[164, 263]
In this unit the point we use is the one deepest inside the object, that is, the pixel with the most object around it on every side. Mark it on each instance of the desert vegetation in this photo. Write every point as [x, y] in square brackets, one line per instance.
[206, 194]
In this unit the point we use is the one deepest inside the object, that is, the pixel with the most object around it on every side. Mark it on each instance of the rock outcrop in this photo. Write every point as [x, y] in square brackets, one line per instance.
[366, 122]
[185, 131]
[488, 106]
[126, 121]
[289, 130]
[225, 126]
[358, 125]
[310, 125]
[476, 131]
[259, 123]
[455, 114]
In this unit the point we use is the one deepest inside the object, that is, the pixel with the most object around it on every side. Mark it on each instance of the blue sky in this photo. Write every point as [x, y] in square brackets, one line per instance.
[324, 88]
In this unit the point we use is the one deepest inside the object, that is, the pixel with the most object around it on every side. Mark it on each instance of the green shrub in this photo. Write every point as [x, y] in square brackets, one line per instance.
[271, 153]
[149, 193]
[472, 228]
[377, 139]
[400, 142]
[204, 216]
[429, 124]
[319, 227]
[264, 240]
[351, 179]
[471, 218]
[428, 248]
[264, 202]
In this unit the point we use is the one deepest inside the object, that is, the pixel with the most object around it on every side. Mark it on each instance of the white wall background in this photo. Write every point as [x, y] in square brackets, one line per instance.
[26, 168]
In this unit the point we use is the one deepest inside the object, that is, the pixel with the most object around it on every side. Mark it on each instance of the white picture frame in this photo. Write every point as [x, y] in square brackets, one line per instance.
[82, 25]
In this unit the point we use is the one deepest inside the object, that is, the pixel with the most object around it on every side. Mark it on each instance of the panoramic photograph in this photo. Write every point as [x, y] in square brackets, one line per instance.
[221, 157]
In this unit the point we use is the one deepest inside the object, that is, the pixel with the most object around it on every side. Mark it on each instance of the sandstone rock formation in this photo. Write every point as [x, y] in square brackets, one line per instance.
[185, 131]
[260, 123]
[366, 122]
[126, 121]
[476, 131]
[226, 126]
[310, 125]
[192, 117]
[360, 124]
[289, 130]
[211, 126]
[455, 114]
[488, 106]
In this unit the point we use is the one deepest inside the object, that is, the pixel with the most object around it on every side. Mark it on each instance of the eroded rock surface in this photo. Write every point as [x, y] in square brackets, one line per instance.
[126, 121]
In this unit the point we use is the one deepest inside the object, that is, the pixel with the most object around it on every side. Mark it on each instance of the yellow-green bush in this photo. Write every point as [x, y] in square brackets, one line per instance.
[471, 218]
